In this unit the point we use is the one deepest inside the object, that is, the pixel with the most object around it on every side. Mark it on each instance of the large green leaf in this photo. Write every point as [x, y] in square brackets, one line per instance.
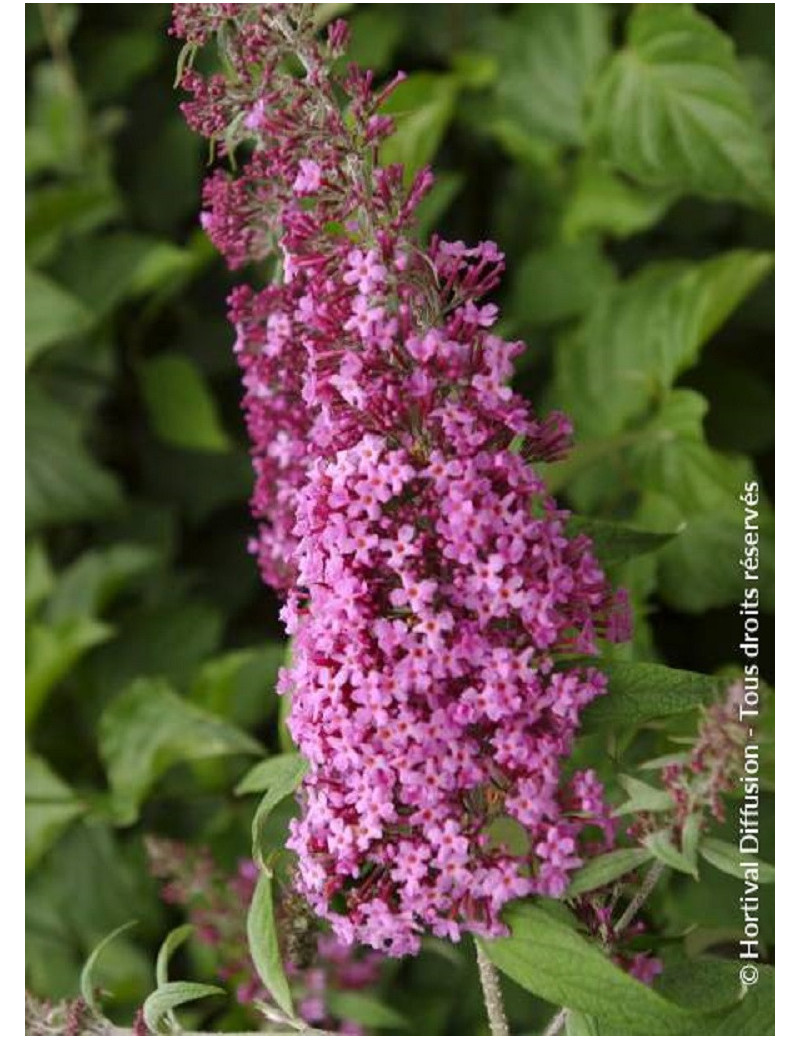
[63, 483]
[180, 404]
[148, 729]
[550, 959]
[640, 336]
[602, 201]
[554, 962]
[549, 55]
[560, 282]
[639, 693]
[673, 109]
[50, 806]
[691, 485]
[240, 684]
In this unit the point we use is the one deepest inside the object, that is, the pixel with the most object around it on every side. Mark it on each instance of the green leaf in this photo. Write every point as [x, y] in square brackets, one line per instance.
[552, 961]
[265, 951]
[87, 587]
[240, 684]
[643, 798]
[57, 210]
[280, 777]
[38, 577]
[180, 405]
[51, 652]
[560, 282]
[661, 845]
[714, 989]
[602, 202]
[165, 640]
[87, 985]
[106, 269]
[171, 995]
[728, 859]
[577, 1024]
[50, 806]
[672, 110]
[603, 869]
[176, 938]
[549, 55]
[422, 107]
[691, 484]
[63, 483]
[690, 839]
[51, 315]
[615, 543]
[148, 729]
[364, 1008]
[642, 335]
[639, 693]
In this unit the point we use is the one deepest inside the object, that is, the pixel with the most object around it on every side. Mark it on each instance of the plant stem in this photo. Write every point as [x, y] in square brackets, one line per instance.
[557, 1024]
[635, 905]
[492, 995]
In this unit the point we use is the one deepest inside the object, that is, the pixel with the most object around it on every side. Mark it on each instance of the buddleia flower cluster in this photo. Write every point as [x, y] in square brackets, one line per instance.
[433, 595]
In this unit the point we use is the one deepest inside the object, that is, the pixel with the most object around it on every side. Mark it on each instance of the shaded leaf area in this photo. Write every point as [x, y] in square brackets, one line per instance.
[622, 159]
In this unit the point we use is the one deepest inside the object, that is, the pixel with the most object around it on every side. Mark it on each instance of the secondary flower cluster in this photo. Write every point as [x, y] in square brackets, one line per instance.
[432, 592]
[317, 965]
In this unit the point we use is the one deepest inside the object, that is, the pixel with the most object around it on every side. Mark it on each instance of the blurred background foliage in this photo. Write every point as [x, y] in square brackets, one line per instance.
[622, 160]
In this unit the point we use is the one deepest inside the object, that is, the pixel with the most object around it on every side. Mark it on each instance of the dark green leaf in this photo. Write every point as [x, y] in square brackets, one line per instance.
[63, 483]
[606, 868]
[614, 543]
[639, 693]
